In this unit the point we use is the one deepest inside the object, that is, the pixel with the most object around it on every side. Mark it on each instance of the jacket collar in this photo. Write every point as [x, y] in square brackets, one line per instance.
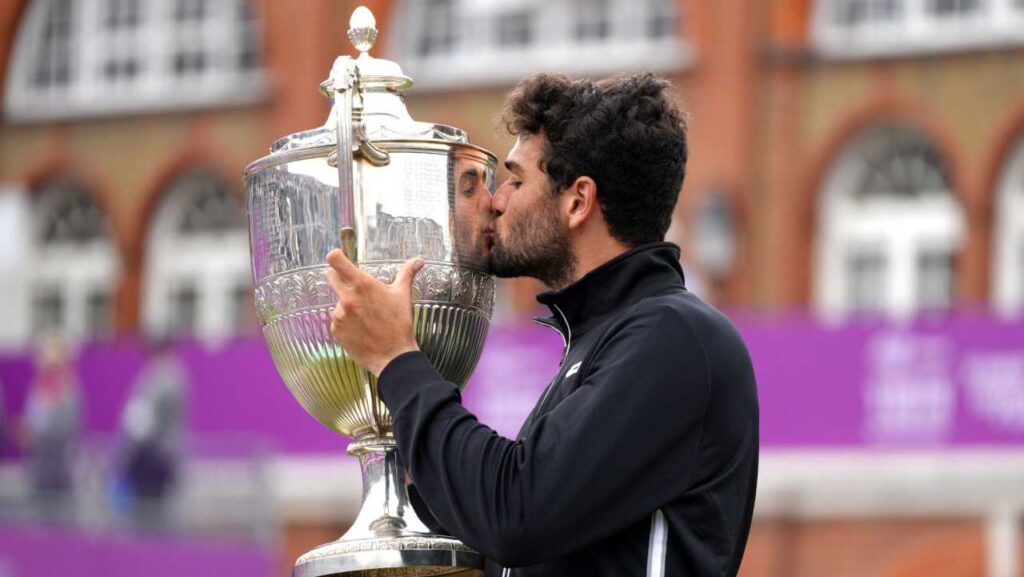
[618, 283]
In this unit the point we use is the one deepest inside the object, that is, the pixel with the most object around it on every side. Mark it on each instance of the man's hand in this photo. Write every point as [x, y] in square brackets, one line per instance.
[372, 320]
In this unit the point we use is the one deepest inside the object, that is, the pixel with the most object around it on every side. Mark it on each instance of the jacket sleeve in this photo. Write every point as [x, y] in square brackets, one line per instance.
[621, 445]
[423, 512]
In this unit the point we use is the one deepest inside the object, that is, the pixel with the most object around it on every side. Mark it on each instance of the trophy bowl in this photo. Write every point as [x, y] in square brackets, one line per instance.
[383, 188]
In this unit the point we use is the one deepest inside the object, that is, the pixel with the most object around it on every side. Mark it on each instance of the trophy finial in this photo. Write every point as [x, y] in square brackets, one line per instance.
[362, 29]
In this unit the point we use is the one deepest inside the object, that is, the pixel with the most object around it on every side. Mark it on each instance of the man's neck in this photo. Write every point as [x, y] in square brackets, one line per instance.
[594, 252]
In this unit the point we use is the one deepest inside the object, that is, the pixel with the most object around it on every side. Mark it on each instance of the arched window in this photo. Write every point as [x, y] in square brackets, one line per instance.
[197, 262]
[889, 228]
[1008, 237]
[88, 57]
[74, 264]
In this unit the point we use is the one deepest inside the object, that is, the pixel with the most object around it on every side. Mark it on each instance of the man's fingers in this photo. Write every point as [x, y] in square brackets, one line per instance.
[346, 269]
[334, 279]
[407, 273]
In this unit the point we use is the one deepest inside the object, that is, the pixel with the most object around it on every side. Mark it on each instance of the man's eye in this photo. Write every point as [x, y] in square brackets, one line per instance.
[515, 183]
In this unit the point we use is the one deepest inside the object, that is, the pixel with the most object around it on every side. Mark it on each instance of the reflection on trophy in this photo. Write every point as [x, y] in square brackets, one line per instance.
[383, 188]
[399, 235]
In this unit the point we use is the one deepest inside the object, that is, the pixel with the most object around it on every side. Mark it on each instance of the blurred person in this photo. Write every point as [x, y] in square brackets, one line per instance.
[3, 421]
[154, 435]
[641, 456]
[51, 427]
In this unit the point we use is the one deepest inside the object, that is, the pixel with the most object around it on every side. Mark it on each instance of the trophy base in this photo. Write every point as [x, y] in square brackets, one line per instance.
[407, 556]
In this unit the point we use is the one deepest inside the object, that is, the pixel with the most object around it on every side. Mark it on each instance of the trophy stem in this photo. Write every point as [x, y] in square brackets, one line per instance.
[387, 538]
[386, 510]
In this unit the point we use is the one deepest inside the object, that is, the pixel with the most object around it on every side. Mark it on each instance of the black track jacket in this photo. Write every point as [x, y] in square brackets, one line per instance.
[639, 459]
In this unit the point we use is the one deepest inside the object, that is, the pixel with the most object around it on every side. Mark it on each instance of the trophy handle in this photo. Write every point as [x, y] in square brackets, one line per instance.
[345, 84]
[352, 143]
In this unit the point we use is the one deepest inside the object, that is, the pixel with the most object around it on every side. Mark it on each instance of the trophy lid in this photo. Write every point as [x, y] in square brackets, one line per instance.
[380, 84]
[376, 73]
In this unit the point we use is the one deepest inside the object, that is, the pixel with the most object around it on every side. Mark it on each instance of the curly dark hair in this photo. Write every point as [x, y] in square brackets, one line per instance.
[624, 132]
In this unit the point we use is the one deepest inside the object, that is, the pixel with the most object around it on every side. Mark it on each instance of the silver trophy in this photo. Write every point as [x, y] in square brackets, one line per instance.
[383, 188]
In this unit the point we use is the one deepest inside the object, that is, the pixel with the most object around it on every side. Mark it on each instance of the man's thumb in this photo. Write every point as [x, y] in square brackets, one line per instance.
[408, 273]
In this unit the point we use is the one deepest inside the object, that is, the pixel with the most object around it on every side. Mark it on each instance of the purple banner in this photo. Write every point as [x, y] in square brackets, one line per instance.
[954, 382]
[232, 391]
[30, 551]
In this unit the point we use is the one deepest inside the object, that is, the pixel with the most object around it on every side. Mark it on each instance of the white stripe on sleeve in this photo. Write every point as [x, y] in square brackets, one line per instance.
[658, 548]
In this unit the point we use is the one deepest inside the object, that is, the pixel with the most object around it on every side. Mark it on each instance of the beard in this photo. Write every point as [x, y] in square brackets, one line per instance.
[471, 249]
[537, 247]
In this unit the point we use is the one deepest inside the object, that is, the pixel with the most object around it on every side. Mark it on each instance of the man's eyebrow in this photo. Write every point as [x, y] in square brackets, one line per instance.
[513, 166]
[469, 175]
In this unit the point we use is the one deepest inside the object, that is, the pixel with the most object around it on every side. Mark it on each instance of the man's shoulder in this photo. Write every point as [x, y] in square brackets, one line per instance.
[676, 308]
[680, 317]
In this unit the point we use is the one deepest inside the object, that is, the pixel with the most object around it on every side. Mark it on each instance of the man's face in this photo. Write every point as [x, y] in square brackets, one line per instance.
[530, 238]
[472, 213]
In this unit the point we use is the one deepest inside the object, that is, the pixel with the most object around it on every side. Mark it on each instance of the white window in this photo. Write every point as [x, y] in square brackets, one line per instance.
[865, 273]
[51, 65]
[74, 266]
[953, 8]
[862, 15]
[122, 46]
[94, 57]
[592, 20]
[452, 43]
[197, 263]
[1008, 237]
[889, 228]
[862, 28]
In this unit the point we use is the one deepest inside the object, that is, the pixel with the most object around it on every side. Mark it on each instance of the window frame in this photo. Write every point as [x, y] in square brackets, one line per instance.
[1008, 237]
[477, 58]
[902, 227]
[177, 260]
[76, 270]
[155, 87]
[997, 23]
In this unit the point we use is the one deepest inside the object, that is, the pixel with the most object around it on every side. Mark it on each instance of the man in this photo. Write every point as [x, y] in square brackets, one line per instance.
[52, 414]
[641, 456]
[153, 424]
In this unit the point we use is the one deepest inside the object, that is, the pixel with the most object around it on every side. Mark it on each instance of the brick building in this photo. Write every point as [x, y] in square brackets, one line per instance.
[848, 157]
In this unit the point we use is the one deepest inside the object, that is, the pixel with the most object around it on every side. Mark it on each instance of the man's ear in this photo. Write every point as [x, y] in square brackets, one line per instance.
[580, 201]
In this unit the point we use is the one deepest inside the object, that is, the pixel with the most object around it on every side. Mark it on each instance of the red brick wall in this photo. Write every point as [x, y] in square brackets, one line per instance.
[866, 548]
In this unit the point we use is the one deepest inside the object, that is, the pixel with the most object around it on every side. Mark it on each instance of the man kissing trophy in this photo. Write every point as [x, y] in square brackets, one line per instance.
[383, 188]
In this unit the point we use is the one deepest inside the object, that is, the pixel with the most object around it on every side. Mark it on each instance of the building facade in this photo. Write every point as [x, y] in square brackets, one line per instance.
[849, 159]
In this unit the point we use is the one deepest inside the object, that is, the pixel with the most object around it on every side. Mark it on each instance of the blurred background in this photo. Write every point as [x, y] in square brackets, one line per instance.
[854, 201]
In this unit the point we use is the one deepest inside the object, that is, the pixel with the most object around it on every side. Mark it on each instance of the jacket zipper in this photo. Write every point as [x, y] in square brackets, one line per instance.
[566, 336]
[567, 343]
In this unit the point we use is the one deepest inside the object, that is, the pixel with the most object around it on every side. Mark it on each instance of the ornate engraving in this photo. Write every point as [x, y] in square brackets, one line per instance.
[424, 543]
[433, 283]
[305, 289]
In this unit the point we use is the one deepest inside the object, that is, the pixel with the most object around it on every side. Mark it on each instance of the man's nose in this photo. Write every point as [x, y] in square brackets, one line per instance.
[499, 202]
